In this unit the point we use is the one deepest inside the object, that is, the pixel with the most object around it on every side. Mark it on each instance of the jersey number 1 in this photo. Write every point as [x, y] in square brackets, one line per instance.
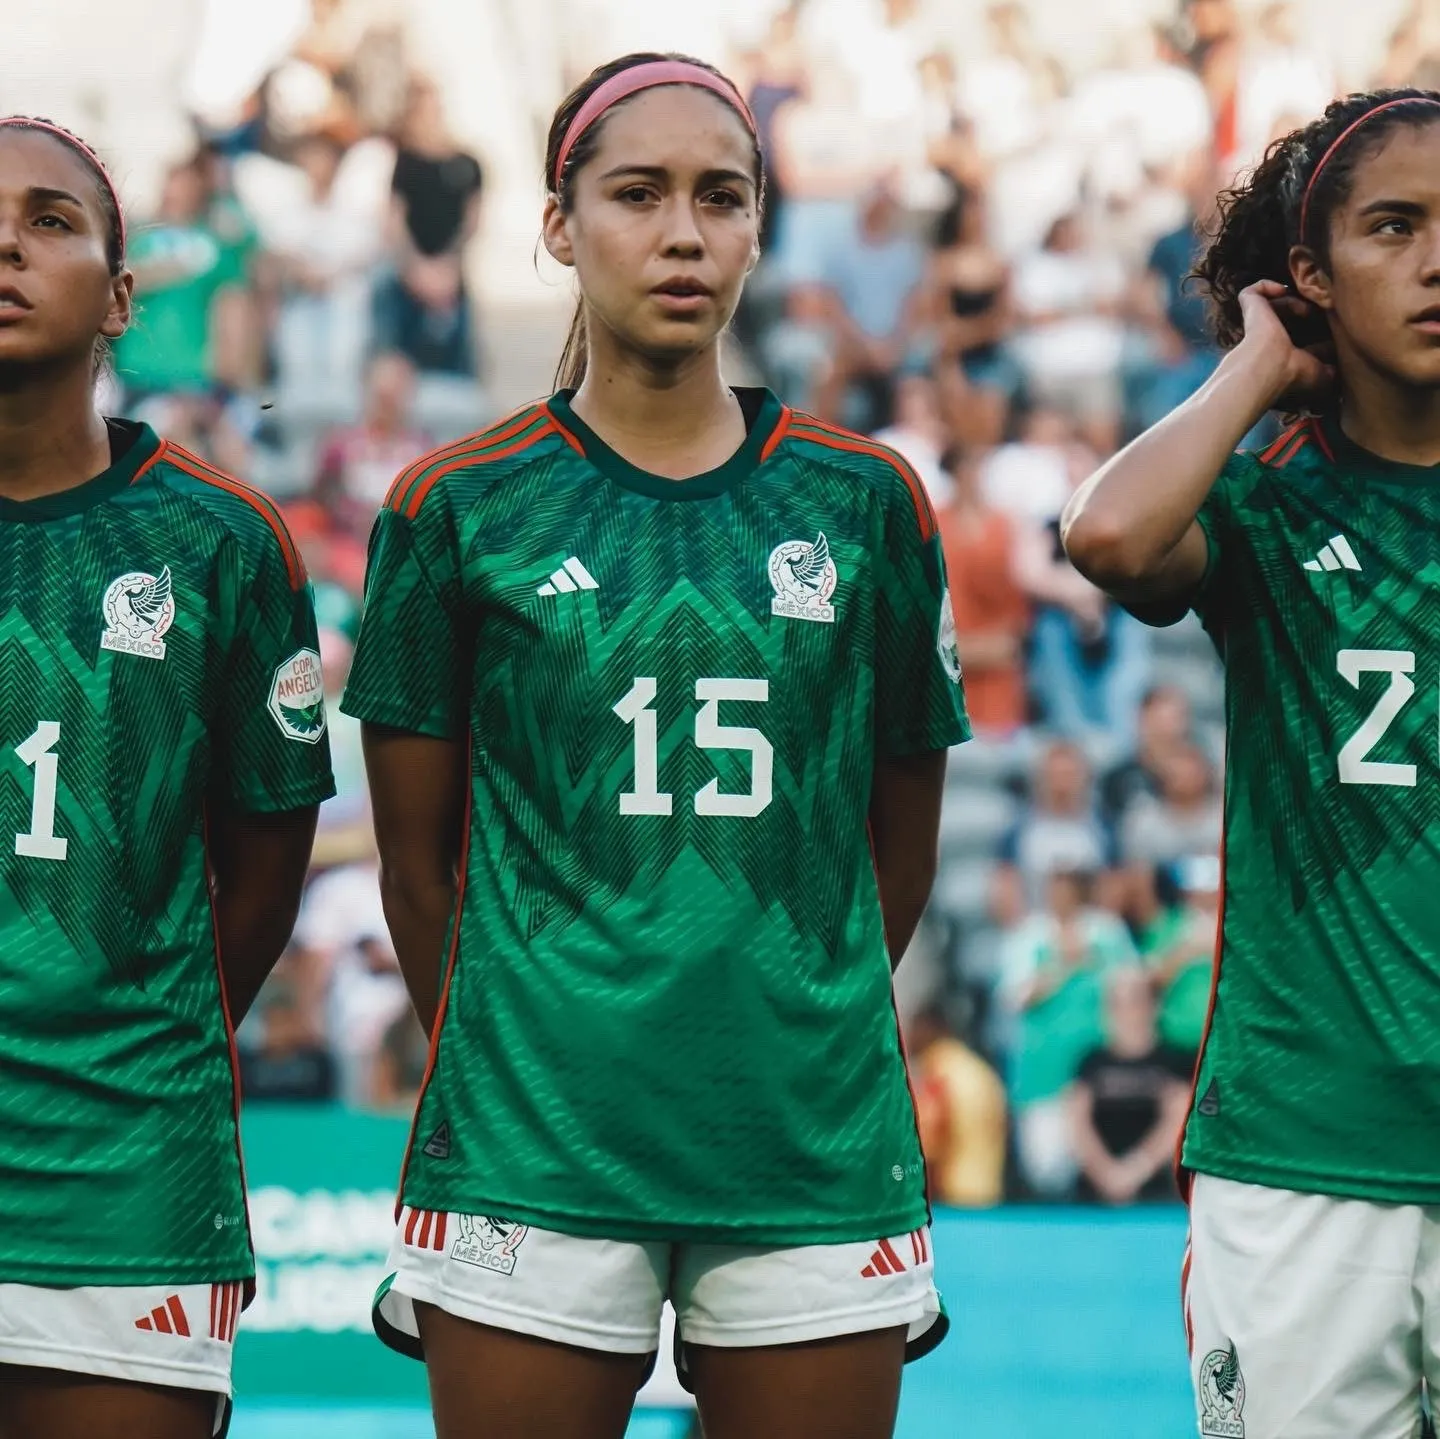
[38, 753]
[646, 798]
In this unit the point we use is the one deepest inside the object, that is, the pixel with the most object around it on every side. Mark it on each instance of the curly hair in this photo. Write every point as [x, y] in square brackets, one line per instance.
[571, 369]
[1291, 196]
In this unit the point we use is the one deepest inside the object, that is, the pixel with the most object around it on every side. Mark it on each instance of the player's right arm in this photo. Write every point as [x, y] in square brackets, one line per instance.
[409, 686]
[417, 796]
[1131, 528]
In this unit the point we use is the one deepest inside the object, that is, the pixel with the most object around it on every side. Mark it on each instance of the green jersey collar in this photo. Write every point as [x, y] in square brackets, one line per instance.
[1365, 463]
[763, 415]
[132, 447]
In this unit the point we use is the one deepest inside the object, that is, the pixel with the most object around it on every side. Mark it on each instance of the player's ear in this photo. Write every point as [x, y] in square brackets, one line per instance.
[122, 307]
[555, 232]
[1309, 278]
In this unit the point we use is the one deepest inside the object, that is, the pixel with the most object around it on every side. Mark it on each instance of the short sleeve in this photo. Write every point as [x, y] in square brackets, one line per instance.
[1216, 520]
[409, 671]
[919, 692]
[273, 750]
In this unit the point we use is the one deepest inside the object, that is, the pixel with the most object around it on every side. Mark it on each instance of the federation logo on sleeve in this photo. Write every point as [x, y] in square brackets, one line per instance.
[489, 1243]
[139, 608]
[804, 577]
[1222, 1394]
[948, 643]
[297, 697]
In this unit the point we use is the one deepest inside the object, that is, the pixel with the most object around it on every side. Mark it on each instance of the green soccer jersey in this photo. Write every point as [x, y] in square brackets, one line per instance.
[666, 1009]
[1321, 1067]
[157, 653]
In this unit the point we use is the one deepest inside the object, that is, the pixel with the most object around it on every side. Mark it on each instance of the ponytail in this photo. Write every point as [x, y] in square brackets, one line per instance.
[570, 371]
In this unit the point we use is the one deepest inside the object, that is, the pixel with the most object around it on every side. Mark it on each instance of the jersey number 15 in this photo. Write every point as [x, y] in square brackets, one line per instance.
[38, 753]
[646, 798]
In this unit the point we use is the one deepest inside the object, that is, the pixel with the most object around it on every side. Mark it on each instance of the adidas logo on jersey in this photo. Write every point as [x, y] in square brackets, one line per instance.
[886, 1258]
[571, 576]
[1337, 555]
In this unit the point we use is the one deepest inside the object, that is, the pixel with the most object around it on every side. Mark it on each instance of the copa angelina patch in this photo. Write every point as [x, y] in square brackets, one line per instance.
[297, 697]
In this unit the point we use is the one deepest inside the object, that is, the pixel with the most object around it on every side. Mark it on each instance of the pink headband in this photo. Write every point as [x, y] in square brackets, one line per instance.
[645, 77]
[75, 143]
[1339, 140]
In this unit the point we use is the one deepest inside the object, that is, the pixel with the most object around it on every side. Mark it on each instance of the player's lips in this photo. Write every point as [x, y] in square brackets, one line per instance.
[1428, 320]
[682, 294]
[13, 303]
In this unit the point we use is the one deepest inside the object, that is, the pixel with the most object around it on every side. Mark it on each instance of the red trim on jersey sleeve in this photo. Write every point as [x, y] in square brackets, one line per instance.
[261, 503]
[1276, 446]
[474, 445]
[778, 433]
[1183, 1177]
[463, 867]
[817, 432]
[422, 490]
[1301, 440]
[1317, 433]
[566, 434]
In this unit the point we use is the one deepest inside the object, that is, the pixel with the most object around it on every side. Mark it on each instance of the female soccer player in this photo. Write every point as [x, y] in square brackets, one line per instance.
[657, 695]
[1314, 1268]
[162, 756]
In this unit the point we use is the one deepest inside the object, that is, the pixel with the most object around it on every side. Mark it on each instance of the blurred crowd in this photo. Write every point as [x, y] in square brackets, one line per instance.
[979, 257]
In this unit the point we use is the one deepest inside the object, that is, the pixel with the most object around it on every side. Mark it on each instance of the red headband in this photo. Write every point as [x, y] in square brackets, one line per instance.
[1339, 140]
[645, 77]
[24, 122]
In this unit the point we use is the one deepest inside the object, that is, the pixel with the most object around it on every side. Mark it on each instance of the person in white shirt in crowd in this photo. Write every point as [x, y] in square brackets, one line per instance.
[344, 945]
[1068, 297]
[320, 221]
[918, 432]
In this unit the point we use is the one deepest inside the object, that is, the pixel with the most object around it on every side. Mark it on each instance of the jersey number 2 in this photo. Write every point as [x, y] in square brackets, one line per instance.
[38, 753]
[1355, 767]
[645, 797]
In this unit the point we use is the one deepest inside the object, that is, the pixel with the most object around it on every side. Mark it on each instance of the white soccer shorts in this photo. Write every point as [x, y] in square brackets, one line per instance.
[608, 1295]
[1309, 1317]
[180, 1335]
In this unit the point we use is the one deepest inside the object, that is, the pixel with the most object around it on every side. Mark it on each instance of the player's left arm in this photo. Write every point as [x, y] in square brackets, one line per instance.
[904, 835]
[919, 708]
[270, 769]
[259, 862]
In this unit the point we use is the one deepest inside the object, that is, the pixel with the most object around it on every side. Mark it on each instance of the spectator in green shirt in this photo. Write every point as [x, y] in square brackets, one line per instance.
[1051, 980]
[195, 324]
[1180, 951]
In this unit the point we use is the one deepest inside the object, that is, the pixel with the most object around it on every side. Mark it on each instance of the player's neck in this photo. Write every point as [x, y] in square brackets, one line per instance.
[51, 438]
[1397, 423]
[676, 422]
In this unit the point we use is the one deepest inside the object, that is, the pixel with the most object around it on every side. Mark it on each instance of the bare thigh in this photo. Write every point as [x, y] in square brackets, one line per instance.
[55, 1404]
[844, 1388]
[491, 1384]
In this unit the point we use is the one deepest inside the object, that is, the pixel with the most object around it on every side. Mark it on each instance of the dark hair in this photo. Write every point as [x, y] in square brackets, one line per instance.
[570, 371]
[104, 189]
[1260, 218]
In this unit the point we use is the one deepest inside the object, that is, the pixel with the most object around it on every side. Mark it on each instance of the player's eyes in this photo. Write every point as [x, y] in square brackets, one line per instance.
[725, 199]
[635, 194]
[52, 220]
[1392, 226]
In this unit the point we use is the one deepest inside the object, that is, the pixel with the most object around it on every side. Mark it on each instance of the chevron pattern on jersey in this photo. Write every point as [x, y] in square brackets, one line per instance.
[116, 1095]
[644, 1002]
[1322, 1045]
